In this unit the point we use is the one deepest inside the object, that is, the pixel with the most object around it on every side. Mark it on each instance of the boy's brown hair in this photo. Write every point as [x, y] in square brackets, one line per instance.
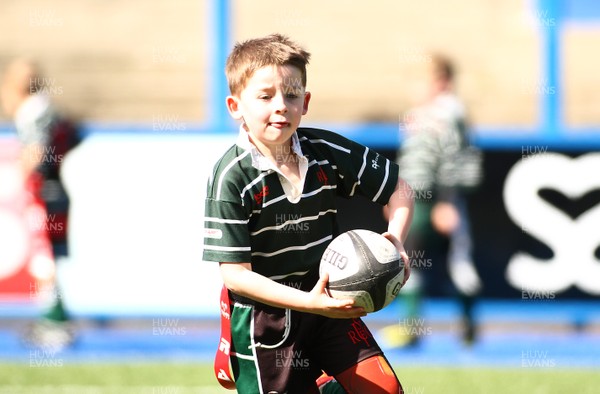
[251, 55]
[443, 67]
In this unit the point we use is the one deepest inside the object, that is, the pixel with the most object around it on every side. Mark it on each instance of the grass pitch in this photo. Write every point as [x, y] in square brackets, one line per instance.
[179, 378]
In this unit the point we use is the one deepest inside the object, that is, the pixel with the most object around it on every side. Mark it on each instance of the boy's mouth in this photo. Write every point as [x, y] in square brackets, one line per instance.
[279, 125]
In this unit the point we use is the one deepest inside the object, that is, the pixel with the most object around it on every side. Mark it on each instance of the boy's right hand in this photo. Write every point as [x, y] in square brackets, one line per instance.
[321, 303]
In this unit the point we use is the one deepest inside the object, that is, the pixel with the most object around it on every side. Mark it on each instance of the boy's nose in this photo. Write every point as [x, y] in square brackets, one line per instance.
[280, 104]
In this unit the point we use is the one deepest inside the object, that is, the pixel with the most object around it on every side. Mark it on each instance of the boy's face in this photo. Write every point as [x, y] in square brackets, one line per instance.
[271, 105]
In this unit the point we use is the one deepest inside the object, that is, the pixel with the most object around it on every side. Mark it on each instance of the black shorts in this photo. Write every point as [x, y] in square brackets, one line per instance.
[284, 351]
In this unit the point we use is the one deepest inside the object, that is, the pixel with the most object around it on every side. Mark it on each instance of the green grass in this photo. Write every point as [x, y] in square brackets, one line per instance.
[178, 378]
[430, 380]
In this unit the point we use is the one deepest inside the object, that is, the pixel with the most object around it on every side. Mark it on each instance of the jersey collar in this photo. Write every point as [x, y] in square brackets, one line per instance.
[259, 161]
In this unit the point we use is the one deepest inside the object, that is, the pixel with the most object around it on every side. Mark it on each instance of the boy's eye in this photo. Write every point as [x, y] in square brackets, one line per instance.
[291, 95]
[264, 97]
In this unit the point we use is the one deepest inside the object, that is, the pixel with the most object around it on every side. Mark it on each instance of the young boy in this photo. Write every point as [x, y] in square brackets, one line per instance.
[439, 162]
[46, 136]
[270, 214]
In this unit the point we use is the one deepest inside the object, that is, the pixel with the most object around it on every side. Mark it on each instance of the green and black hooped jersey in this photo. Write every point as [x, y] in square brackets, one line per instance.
[249, 218]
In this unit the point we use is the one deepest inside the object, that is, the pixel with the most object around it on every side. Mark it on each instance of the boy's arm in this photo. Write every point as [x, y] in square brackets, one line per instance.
[240, 279]
[400, 211]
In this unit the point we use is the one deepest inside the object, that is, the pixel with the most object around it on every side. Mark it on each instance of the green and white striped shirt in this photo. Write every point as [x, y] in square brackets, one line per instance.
[250, 218]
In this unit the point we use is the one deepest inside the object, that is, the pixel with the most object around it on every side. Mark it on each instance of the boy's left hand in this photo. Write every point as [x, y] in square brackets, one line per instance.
[403, 255]
[445, 218]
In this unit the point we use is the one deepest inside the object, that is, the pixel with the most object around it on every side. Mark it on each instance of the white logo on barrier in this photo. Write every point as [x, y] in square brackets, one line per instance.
[573, 241]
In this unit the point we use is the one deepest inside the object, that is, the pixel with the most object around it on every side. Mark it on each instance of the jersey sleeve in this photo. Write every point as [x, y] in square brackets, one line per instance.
[226, 234]
[362, 170]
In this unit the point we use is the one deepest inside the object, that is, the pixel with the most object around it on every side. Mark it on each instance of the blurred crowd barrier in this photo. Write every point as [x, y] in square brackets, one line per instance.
[136, 227]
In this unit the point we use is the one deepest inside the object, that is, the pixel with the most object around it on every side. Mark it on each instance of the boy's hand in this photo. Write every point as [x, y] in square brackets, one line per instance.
[403, 255]
[322, 304]
[445, 218]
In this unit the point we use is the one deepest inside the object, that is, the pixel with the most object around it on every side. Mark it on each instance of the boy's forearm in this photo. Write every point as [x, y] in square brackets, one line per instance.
[400, 208]
[243, 281]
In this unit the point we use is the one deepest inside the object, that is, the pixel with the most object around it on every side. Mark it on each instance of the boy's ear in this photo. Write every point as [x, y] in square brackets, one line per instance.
[306, 101]
[233, 106]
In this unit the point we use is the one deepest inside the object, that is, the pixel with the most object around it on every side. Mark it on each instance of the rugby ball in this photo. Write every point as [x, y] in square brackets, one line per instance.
[364, 266]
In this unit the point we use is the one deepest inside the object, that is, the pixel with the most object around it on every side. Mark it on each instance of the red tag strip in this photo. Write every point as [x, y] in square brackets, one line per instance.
[222, 370]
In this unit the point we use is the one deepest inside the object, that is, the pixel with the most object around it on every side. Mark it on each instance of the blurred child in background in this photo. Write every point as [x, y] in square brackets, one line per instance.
[45, 136]
[442, 167]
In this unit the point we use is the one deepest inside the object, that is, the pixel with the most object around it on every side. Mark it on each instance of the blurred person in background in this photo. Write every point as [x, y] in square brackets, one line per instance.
[442, 167]
[45, 136]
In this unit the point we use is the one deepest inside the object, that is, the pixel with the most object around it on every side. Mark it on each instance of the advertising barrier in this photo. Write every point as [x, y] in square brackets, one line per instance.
[136, 220]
